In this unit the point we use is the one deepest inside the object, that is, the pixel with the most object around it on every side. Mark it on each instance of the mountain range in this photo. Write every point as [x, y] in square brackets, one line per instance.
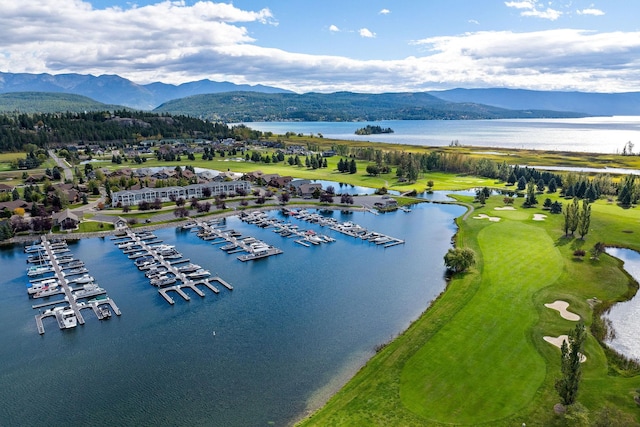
[113, 89]
[272, 103]
[339, 106]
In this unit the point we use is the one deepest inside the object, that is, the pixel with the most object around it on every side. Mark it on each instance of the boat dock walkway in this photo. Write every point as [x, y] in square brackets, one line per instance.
[170, 266]
[194, 288]
[70, 298]
[93, 304]
[254, 248]
[348, 228]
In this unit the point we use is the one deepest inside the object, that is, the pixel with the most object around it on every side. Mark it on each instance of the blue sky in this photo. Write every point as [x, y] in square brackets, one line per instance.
[330, 45]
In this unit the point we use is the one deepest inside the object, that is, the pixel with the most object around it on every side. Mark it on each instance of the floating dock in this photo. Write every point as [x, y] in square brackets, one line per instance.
[169, 267]
[70, 299]
[254, 248]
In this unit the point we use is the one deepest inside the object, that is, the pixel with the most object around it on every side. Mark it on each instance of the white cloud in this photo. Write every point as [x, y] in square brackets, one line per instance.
[550, 14]
[384, 12]
[535, 9]
[334, 28]
[364, 32]
[591, 11]
[473, 21]
[526, 4]
[209, 41]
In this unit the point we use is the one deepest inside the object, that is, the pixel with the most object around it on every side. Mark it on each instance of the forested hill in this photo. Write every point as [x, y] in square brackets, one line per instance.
[44, 102]
[49, 129]
[340, 106]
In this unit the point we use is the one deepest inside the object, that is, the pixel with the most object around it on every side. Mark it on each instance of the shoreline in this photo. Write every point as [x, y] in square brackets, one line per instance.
[151, 227]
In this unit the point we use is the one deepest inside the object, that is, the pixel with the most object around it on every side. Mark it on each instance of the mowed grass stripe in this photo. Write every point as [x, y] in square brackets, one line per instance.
[481, 366]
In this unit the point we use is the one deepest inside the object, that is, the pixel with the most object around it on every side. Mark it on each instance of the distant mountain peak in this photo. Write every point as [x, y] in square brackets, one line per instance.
[114, 89]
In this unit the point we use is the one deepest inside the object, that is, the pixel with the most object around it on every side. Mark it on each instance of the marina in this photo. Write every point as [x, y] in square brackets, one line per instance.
[68, 315]
[347, 228]
[160, 262]
[255, 249]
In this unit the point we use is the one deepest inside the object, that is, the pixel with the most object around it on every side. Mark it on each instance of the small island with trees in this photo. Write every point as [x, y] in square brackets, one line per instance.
[373, 130]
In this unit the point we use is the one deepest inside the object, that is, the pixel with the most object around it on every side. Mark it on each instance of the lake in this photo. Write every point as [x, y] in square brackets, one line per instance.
[624, 315]
[592, 134]
[293, 330]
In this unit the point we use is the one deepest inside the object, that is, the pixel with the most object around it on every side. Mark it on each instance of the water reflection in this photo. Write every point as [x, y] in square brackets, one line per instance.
[624, 315]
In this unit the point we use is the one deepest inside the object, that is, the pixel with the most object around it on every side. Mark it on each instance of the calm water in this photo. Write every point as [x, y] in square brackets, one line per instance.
[593, 134]
[295, 327]
[625, 316]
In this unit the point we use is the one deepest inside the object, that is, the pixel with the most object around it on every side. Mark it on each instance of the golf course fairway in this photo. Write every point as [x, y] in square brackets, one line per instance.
[477, 354]
[482, 365]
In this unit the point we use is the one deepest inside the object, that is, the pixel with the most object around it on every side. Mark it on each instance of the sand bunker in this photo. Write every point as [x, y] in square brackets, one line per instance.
[505, 208]
[561, 307]
[539, 217]
[490, 218]
[557, 341]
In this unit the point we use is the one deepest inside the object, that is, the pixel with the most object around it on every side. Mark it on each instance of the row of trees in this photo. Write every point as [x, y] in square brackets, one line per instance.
[346, 166]
[576, 218]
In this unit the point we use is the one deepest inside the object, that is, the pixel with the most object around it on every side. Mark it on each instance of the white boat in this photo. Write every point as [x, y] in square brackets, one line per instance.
[314, 239]
[33, 248]
[155, 271]
[50, 290]
[127, 245]
[74, 264]
[189, 268]
[199, 274]
[85, 278]
[41, 286]
[76, 271]
[88, 290]
[69, 318]
[163, 281]
[37, 270]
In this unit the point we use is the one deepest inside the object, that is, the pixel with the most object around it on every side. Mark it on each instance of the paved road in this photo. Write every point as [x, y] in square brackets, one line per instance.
[68, 174]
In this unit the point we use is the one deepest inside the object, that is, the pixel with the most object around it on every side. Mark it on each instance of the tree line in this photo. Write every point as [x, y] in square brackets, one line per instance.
[46, 129]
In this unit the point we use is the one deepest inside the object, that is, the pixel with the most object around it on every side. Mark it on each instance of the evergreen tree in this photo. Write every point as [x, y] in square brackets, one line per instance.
[556, 207]
[352, 167]
[14, 194]
[553, 187]
[591, 195]
[522, 183]
[540, 185]
[571, 353]
[625, 195]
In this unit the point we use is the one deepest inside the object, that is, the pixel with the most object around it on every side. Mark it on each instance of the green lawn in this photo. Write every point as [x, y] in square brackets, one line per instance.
[477, 355]
[93, 226]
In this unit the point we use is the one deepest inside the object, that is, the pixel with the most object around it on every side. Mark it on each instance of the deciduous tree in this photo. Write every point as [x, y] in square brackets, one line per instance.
[459, 259]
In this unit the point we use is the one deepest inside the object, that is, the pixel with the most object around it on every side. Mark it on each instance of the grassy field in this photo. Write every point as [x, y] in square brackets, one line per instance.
[477, 355]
